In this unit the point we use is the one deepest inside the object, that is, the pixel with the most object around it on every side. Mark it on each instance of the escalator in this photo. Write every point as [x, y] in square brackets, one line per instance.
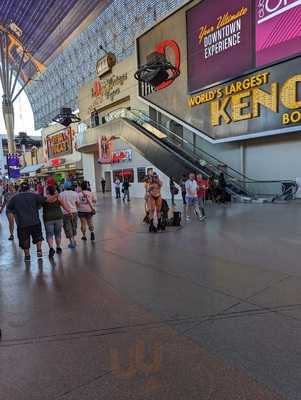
[174, 155]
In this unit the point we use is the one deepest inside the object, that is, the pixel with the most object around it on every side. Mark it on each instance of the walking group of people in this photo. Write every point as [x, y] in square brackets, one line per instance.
[62, 206]
[122, 187]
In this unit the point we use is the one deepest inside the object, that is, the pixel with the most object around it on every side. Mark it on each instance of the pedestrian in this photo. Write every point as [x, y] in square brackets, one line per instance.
[201, 191]
[126, 189]
[25, 207]
[1, 190]
[155, 203]
[183, 188]
[211, 193]
[39, 188]
[221, 194]
[53, 220]
[117, 184]
[192, 197]
[103, 185]
[70, 202]
[173, 190]
[50, 181]
[61, 185]
[86, 210]
[8, 194]
[147, 181]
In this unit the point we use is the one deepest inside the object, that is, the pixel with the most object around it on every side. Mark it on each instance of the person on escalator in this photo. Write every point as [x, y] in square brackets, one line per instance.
[155, 203]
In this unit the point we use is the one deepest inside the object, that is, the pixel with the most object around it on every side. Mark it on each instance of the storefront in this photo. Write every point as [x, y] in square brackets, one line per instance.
[105, 154]
[60, 156]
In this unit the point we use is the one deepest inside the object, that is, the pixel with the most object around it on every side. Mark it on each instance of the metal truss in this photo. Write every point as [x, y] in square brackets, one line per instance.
[115, 29]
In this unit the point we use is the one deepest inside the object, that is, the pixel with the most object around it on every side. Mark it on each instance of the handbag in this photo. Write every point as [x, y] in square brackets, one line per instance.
[175, 191]
[93, 211]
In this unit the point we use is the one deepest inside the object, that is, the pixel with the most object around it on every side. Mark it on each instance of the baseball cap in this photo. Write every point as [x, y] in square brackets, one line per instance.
[67, 185]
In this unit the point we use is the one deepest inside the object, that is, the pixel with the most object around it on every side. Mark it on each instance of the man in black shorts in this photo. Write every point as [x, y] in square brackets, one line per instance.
[25, 206]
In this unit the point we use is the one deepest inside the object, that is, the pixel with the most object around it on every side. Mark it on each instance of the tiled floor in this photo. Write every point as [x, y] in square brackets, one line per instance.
[208, 311]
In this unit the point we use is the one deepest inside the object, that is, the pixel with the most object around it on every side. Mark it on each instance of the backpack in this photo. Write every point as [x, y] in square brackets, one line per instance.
[176, 219]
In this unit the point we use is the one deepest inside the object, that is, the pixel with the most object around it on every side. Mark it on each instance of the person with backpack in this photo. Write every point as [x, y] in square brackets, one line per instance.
[86, 210]
[53, 220]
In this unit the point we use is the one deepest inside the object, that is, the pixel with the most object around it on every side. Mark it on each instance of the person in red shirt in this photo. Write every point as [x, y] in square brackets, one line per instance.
[51, 181]
[201, 191]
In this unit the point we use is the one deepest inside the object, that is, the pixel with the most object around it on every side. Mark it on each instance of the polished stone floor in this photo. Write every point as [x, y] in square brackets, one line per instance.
[211, 311]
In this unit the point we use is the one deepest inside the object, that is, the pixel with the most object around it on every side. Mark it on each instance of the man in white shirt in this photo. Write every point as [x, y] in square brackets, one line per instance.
[70, 202]
[117, 184]
[191, 187]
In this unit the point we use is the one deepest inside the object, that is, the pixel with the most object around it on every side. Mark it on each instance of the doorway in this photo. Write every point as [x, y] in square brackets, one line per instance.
[108, 181]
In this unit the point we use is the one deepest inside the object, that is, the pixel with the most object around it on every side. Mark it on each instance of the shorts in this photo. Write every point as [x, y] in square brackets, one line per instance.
[54, 228]
[27, 232]
[86, 215]
[70, 225]
[192, 201]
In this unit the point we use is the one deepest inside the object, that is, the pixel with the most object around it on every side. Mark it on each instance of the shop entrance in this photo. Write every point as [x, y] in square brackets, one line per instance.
[108, 181]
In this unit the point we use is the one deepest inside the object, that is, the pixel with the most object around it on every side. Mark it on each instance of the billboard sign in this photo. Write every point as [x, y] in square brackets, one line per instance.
[13, 166]
[105, 150]
[278, 30]
[219, 41]
[260, 100]
[60, 143]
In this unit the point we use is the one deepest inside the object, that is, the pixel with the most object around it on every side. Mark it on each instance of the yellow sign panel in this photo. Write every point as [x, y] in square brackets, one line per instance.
[244, 100]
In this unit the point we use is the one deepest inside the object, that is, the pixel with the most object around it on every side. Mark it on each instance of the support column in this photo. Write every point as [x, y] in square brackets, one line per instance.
[89, 169]
[8, 115]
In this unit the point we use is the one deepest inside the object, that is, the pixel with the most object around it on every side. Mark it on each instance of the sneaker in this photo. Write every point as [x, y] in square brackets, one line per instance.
[40, 254]
[59, 250]
[27, 258]
[11, 237]
[203, 217]
[188, 219]
[51, 252]
[84, 238]
[71, 245]
[92, 236]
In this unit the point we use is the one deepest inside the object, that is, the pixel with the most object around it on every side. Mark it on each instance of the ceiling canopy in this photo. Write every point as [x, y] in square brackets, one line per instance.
[39, 30]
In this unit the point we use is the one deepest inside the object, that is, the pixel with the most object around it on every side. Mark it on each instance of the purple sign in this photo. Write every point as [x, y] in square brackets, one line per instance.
[13, 166]
[278, 30]
[220, 41]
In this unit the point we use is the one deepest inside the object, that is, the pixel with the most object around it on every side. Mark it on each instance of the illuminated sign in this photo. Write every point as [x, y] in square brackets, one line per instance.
[219, 32]
[122, 156]
[107, 90]
[105, 64]
[278, 30]
[60, 143]
[244, 100]
[257, 101]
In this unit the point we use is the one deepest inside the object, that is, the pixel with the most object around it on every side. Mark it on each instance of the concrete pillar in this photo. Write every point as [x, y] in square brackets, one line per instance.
[89, 169]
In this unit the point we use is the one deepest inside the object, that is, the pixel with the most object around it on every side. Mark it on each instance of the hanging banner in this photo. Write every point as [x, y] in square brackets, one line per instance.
[13, 166]
[105, 146]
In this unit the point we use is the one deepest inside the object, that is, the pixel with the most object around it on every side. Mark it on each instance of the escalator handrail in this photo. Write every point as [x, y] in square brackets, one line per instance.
[126, 113]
